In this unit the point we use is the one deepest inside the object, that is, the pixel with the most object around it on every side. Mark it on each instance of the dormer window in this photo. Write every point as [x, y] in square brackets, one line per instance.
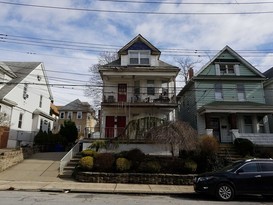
[139, 57]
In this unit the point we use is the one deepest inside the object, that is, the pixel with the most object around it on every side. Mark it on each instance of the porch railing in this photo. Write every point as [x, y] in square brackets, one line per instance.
[265, 139]
[139, 98]
[64, 161]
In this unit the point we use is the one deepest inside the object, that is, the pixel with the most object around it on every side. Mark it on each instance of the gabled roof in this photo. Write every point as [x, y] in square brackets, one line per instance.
[139, 38]
[77, 105]
[20, 70]
[236, 56]
[269, 73]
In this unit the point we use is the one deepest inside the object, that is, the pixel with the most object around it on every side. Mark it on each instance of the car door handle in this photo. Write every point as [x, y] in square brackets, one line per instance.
[258, 176]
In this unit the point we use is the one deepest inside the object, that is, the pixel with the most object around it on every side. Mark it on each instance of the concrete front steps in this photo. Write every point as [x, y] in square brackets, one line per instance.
[228, 151]
[69, 168]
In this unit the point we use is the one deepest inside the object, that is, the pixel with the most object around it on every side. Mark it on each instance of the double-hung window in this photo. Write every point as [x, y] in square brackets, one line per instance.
[227, 69]
[150, 87]
[139, 57]
[69, 115]
[20, 122]
[218, 91]
[62, 115]
[241, 92]
[79, 115]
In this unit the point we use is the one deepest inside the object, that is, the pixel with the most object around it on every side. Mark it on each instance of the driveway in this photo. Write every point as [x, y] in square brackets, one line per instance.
[41, 167]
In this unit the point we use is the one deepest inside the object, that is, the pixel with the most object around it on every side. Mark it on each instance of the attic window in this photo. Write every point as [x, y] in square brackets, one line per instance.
[139, 57]
[227, 69]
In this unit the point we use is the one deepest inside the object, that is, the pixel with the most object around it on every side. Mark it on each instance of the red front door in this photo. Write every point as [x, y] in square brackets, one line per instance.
[122, 92]
[110, 127]
[121, 124]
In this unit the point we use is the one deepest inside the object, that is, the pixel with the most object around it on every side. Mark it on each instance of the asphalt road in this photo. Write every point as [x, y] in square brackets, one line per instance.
[53, 198]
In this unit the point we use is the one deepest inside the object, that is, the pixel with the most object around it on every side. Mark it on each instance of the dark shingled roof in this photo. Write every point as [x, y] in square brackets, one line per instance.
[269, 73]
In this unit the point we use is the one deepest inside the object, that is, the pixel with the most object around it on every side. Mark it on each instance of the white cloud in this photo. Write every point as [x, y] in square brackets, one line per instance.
[194, 32]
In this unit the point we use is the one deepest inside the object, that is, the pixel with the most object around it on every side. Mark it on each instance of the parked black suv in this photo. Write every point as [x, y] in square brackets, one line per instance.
[252, 176]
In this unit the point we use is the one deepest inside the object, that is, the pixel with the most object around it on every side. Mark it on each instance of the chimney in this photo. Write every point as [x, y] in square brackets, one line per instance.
[190, 73]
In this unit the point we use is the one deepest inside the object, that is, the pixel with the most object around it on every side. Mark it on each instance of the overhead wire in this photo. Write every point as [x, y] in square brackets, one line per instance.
[136, 12]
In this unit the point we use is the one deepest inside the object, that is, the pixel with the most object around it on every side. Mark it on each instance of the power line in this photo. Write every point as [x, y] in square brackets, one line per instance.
[187, 3]
[138, 12]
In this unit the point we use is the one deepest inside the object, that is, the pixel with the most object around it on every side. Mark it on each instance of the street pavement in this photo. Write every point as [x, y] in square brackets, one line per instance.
[40, 173]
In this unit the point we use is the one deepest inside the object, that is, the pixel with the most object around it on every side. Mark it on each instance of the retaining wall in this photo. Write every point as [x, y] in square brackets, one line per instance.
[134, 178]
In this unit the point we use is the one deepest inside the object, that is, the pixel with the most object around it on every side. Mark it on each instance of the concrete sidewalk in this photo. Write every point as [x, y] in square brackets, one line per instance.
[40, 173]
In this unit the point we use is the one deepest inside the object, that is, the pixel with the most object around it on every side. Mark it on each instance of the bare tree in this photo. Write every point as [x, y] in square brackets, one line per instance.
[179, 135]
[94, 89]
[185, 64]
[4, 120]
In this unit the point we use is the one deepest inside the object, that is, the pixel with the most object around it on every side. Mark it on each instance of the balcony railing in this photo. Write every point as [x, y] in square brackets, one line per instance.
[140, 98]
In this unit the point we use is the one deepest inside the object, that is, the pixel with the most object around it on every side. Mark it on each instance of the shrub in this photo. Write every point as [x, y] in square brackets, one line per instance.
[207, 157]
[86, 163]
[89, 152]
[99, 144]
[135, 156]
[244, 146]
[123, 164]
[190, 166]
[104, 162]
[209, 145]
[264, 153]
[149, 167]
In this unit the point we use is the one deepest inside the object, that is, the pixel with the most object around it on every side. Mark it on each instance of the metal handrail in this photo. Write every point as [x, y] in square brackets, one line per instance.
[69, 155]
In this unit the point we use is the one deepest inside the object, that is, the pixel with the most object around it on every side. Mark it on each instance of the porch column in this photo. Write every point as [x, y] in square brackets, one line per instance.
[235, 134]
[209, 132]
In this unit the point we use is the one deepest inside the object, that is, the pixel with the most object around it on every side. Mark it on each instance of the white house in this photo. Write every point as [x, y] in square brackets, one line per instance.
[25, 99]
[138, 91]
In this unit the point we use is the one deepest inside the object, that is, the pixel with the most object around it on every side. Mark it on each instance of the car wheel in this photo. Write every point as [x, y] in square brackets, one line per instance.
[225, 192]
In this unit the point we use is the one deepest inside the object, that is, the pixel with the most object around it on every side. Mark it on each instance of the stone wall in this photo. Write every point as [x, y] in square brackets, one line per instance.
[134, 178]
[9, 158]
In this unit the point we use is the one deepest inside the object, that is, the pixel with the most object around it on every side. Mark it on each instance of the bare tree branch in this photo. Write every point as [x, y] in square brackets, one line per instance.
[185, 63]
[177, 134]
[94, 89]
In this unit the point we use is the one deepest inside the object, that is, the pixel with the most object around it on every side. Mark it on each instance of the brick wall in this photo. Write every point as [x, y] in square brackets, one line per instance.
[134, 178]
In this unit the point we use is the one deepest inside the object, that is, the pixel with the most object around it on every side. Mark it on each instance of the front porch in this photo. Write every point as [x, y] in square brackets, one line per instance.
[261, 139]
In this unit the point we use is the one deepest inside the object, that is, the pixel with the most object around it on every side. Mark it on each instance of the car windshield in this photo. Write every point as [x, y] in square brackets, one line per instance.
[232, 166]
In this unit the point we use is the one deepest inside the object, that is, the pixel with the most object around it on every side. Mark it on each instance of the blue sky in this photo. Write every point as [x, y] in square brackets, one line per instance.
[68, 35]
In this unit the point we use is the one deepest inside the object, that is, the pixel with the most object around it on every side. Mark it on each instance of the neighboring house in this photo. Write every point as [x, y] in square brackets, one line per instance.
[82, 114]
[139, 91]
[54, 112]
[268, 88]
[25, 99]
[226, 99]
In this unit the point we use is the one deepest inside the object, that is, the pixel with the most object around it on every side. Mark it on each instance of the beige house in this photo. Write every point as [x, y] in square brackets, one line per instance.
[82, 114]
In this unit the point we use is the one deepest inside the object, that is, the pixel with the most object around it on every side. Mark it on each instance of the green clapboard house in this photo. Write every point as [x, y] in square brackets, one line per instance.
[226, 99]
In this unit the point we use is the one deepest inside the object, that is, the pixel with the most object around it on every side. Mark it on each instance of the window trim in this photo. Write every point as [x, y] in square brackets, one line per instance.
[139, 57]
[20, 121]
[61, 115]
[79, 112]
[69, 115]
[218, 91]
[240, 87]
